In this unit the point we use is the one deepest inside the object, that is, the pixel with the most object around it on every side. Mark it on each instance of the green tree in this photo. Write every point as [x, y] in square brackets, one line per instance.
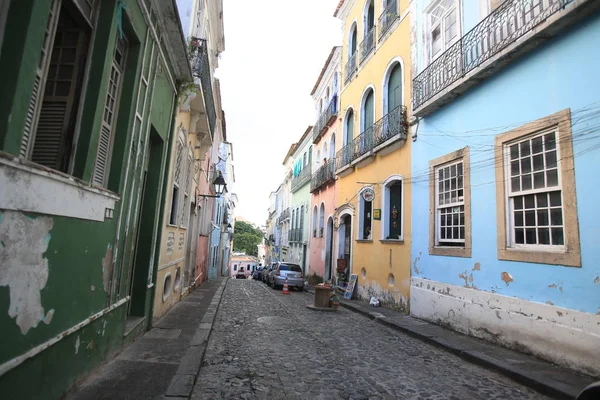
[246, 237]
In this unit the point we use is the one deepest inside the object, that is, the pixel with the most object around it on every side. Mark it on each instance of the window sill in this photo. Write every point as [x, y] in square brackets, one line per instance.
[364, 240]
[450, 252]
[568, 259]
[35, 188]
[392, 241]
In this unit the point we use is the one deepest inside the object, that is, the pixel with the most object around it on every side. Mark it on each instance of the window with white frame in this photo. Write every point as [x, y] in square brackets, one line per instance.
[177, 168]
[449, 197]
[392, 210]
[314, 222]
[450, 205]
[443, 26]
[534, 192]
[536, 199]
[365, 212]
[321, 220]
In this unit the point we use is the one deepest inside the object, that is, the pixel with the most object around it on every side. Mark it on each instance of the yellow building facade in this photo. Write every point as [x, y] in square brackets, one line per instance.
[373, 190]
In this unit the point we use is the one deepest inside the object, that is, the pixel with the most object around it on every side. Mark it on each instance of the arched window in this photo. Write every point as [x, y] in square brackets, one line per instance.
[321, 220]
[392, 90]
[332, 147]
[352, 41]
[314, 222]
[349, 127]
[324, 151]
[367, 112]
[320, 106]
[318, 160]
[369, 17]
[327, 95]
[393, 215]
[301, 223]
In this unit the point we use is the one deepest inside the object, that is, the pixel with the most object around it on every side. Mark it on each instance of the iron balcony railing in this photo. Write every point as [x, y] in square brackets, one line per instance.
[387, 17]
[350, 68]
[393, 124]
[302, 179]
[323, 176]
[506, 24]
[201, 69]
[326, 118]
[367, 45]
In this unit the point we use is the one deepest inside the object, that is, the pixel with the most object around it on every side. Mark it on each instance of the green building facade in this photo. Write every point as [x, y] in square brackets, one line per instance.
[88, 93]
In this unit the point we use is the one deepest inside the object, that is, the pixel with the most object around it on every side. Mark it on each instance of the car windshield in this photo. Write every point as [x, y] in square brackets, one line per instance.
[290, 267]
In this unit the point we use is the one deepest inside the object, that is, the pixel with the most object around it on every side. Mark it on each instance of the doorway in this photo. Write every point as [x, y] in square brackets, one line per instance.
[345, 248]
[328, 249]
[192, 245]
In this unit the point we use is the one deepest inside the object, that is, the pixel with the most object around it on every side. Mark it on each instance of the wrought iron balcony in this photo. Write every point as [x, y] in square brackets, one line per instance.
[367, 45]
[350, 68]
[323, 176]
[326, 118]
[296, 235]
[387, 17]
[302, 179]
[392, 125]
[201, 69]
[504, 26]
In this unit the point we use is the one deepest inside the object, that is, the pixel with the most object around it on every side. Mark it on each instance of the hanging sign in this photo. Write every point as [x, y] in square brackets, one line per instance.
[368, 194]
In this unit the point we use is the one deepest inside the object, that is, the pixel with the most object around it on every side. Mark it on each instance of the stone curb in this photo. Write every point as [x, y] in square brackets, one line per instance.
[523, 376]
[182, 384]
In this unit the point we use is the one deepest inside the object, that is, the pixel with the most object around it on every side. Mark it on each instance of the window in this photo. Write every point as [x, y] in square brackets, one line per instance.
[314, 224]
[392, 209]
[53, 111]
[189, 177]
[321, 219]
[443, 26]
[449, 197]
[392, 90]
[535, 185]
[235, 267]
[177, 167]
[365, 212]
[301, 216]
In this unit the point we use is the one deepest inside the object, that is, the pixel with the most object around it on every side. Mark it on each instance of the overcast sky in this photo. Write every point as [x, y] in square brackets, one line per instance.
[274, 52]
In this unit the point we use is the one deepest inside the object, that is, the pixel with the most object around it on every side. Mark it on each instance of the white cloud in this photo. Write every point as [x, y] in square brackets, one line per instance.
[274, 52]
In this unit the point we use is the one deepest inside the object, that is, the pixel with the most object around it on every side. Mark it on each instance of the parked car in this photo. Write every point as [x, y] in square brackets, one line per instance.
[241, 274]
[265, 274]
[283, 270]
[257, 274]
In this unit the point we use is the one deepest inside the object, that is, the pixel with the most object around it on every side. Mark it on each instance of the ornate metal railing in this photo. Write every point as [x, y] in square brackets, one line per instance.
[324, 175]
[506, 24]
[201, 69]
[393, 124]
[350, 68]
[285, 214]
[326, 118]
[302, 178]
[387, 17]
[367, 45]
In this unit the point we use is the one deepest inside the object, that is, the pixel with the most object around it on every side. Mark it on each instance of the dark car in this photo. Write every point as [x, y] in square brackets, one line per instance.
[265, 274]
[257, 274]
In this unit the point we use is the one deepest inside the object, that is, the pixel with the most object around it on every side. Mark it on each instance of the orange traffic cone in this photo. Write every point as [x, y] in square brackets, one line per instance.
[285, 290]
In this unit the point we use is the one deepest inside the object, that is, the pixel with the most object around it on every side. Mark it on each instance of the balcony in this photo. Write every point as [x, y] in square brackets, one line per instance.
[350, 68]
[387, 18]
[323, 176]
[285, 214]
[201, 69]
[367, 45]
[515, 28]
[302, 179]
[295, 235]
[326, 118]
[390, 129]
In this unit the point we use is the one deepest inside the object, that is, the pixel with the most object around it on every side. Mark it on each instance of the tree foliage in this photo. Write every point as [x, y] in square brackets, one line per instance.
[246, 237]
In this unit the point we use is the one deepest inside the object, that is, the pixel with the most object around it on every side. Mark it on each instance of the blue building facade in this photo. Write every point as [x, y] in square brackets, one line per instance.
[506, 131]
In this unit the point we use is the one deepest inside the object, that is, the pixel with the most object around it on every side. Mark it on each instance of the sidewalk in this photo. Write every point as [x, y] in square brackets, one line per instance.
[164, 362]
[540, 375]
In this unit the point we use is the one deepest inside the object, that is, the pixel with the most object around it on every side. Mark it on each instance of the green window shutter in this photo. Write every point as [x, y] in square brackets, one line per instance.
[394, 88]
[103, 155]
[37, 94]
[350, 128]
[369, 111]
[395, 213]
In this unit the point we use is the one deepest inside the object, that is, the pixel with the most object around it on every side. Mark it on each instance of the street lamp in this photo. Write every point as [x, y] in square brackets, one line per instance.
[220, 186]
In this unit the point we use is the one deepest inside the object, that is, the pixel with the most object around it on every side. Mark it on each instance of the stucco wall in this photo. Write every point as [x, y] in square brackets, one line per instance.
[550, 79]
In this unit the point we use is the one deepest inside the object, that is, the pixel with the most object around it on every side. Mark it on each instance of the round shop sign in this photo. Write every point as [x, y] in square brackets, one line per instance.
[368, 194]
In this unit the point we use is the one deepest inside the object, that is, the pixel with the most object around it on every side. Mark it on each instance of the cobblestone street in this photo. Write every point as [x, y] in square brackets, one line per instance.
[265, 345]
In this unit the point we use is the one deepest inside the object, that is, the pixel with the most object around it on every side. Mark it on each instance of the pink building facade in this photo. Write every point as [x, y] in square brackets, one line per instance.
[326, 133]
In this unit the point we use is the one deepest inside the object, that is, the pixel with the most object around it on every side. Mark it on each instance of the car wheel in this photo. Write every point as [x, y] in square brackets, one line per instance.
[275, 287]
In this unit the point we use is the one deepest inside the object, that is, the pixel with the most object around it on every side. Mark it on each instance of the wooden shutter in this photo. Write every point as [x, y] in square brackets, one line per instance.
[37, 93]
[369, 111]
[109, 117]
[61, 94]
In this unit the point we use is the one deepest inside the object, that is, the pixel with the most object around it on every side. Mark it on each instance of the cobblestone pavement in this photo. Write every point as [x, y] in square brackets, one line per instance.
[265, 345]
